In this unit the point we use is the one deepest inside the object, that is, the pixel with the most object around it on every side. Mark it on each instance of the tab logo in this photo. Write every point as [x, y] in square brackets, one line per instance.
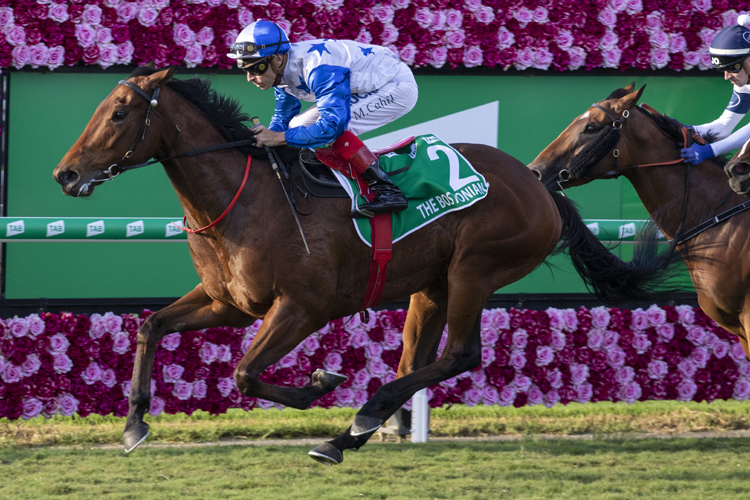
[172, 230]
[95, 228]
[14, 228]
[627, 230]
[55, 228]
[594, 228]
[134, 228]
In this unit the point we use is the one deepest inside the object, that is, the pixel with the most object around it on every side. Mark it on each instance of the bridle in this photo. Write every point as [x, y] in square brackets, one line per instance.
[153, 100]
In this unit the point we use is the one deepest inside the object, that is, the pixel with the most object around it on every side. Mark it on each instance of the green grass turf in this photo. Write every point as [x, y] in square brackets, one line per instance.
[600, 469]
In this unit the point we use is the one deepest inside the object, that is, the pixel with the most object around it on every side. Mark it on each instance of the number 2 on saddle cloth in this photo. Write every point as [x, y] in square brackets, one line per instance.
[382, 231]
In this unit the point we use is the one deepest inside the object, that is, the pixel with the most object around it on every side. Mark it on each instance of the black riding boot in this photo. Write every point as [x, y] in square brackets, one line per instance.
[388, 198]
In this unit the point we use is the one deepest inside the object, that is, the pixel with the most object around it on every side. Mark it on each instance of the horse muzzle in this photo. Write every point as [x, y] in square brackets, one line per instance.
[71, 182]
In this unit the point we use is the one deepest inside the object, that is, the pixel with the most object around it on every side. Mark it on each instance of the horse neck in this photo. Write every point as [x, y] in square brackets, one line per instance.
[205, 183]
[662, 188]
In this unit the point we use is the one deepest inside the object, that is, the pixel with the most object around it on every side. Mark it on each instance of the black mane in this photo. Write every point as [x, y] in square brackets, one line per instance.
[224, 113]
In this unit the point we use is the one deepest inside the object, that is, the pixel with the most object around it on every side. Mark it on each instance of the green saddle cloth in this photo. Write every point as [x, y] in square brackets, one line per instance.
[438, 181]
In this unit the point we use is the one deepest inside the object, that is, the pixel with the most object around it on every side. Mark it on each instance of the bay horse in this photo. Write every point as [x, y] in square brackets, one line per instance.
[693, 205]
[253, 264]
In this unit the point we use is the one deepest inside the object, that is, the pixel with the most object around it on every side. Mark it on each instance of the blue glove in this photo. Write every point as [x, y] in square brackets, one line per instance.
[697, 154]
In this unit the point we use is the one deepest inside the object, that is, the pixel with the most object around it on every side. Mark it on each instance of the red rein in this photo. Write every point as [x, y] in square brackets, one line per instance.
[244, 180]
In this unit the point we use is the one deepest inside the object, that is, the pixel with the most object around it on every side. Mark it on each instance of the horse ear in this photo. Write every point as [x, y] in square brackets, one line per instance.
[630, 100]
[630, 87]
[150, 64]
[160, 78]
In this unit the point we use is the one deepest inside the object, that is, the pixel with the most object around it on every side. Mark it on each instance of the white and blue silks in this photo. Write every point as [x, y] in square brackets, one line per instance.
[335, 75]
[722, 127]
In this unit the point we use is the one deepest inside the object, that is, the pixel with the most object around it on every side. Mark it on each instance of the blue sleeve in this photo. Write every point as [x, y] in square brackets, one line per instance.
[287, 107]
[739, 103]
[332, 90]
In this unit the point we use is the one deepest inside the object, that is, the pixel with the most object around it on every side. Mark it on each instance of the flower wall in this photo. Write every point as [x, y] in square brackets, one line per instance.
[542, 34]
[66, 364]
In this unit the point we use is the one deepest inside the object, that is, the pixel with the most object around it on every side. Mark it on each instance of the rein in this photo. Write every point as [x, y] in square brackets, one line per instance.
[153, 100]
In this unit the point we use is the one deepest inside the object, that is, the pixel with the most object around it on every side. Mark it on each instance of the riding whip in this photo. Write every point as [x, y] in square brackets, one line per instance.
[275, 167]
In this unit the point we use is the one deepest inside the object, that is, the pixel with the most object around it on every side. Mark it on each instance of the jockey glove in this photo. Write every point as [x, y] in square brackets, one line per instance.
[696, 153]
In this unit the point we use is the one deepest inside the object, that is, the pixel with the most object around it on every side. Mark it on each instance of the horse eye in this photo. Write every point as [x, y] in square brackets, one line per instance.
[118, 115]
[591, 129]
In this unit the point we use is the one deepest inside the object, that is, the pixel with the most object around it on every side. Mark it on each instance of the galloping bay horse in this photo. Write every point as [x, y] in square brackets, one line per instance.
[693, 204]
[253, 263]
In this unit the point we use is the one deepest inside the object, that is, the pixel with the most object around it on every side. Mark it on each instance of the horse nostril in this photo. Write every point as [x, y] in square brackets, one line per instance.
[740, 168]
[537, 173]
[67, 177]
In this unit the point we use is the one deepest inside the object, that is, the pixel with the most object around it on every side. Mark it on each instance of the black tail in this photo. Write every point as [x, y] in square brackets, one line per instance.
[612, 280]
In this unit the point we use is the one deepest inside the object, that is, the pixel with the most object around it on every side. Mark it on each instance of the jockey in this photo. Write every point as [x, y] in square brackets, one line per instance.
[356, 88]
[729, 54]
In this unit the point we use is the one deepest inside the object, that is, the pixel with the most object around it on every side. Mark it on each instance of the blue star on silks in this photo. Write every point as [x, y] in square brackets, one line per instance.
[366, 51]
[319, 47]
[303, 86]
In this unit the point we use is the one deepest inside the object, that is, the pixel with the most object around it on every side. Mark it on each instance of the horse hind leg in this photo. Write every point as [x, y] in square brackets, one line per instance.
[462, 353]
[194, 311]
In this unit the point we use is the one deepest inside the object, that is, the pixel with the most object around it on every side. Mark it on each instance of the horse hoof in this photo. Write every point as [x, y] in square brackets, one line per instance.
[329, 380]
[327, 454]
[135, 436]
[365, 425]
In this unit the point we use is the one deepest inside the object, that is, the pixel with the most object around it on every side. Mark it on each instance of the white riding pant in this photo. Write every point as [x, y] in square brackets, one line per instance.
[373, 109]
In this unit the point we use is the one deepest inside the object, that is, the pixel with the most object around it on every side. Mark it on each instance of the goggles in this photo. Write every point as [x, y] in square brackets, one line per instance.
[730, 64]
[242, 50]
[254, 67]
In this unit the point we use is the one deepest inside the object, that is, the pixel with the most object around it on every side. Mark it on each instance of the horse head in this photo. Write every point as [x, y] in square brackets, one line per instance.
[738, 171]
[115, 134]
[591, 146]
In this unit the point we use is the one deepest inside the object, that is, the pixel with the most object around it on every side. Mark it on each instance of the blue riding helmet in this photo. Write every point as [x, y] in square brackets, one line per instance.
[729, 48]
[259, 40]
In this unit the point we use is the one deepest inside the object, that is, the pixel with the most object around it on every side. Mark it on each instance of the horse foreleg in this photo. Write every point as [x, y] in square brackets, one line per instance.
[462, 352]
[194, 311]
[284, 327]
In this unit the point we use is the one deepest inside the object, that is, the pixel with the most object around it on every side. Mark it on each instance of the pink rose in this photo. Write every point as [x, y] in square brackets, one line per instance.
[517, 359]
[126, 11]
[653, 22]
[665, 332]
[721, 348]
[555, 378]
[357, 339]
[609, 340]
[11, 374]
[182, 390]
[542, 58]
[696, 335]
[98, 328]
[193, 56]
[489, 336]
[156, 406]
[453, 19]
[544, 355]
[471, 397]
[392, 340]
[558, 340]
[564, 40]
[373, 351]
[126, 388]
[199, 389]
[103, 35]
[472, 57]
[36, 325]
[113, 322]
[686, 390]
[68, 404]
[58, 12]
[578, 373]
[500, 318]
[478, 378]
[520, 339]
[205, 36]
[147, 16]
[224, 354]
[407, 54]
[332, 362]
[245, 17]
[172, 373]
[490, 395]
[92, 14]
[657, 369]
[595, 338]
[585, 392]
[344, 397]
[618, 5]
[535, 396]
[208, 353]
[677, 43]
[521, 382]
[570, 318]
[741, 390]
[640, 320]
[700, 357]
[607, 17]
[744, 370]
[389, 35]
[360, 398]
[600, 317]
[630, 392]
[86, 38]
[577, 58]
[109, 378]
[523, 15]
[737, 353]
[485, 15]
[687, 368]
[423, 17]
[171, 342]
[225, 386]
[107, 55]
[507, 396]
[125, 52]
[18, 327]
[310, 345]
[31, 365]
[729, 17]
[456, 39]
[488, 356]
[183, 35]
[92, 373]
[524, 58]
[55, 57]
[686, 313]
[32, 407]
[551, 398]
[616, 358]
[376, 367]
[383, 13]
[16, 36]
[624, 375]
[611, 58]
[361, 379]
[659, 40]
[540, 15]
[641, 343]
[58, 343]
[62, 363]
[701, 5]
[121, 343]
[287, 361]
